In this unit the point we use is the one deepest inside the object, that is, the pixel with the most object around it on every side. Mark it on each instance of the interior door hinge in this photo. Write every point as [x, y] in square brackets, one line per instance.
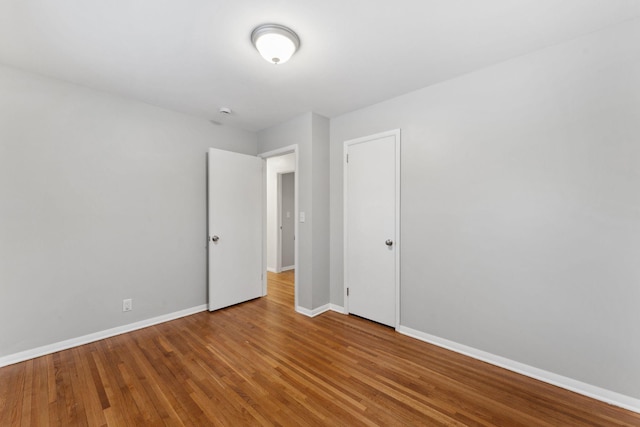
[347, 158]
[347, 291]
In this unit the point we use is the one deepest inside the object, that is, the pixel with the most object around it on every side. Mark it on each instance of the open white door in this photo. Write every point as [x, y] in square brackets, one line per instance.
[235, 228]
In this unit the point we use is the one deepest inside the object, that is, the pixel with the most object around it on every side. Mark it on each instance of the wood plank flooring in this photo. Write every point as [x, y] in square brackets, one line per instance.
[260, 363]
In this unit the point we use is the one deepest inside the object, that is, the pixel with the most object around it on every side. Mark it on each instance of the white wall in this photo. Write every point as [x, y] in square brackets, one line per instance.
[320, 132]
[100, 199]
[521, 207]
[311, 133]
[275, 166]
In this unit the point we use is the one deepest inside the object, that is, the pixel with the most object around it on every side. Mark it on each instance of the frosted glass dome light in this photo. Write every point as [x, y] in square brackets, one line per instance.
[275, 43]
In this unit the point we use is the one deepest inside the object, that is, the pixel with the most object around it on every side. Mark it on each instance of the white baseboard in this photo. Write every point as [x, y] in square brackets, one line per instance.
[272, 270]
[96, 336]
[320, 310]
[290, 267]
[337, 308]
[314, 312]
[604, 395]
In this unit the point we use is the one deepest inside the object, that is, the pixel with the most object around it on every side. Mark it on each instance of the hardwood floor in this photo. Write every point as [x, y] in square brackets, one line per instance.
[260, 363]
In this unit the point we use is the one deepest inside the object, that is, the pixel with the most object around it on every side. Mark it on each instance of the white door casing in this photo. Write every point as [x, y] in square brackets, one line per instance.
[372, 227]
[235, 224]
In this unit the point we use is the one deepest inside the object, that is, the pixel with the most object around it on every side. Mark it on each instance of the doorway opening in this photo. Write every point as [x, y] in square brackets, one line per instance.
[281, 212]
[285, 242]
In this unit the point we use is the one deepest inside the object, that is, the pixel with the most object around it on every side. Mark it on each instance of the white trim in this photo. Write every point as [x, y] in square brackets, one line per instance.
[289, 267]
[397, 243]
[279, 221]
[96, 336]
[594, 392]
[337, 308]
[278, 152]
[314, 312]
[264, 227]
[272, 270]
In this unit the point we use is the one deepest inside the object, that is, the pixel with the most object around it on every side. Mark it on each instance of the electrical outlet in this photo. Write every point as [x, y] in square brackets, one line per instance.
[127, 304]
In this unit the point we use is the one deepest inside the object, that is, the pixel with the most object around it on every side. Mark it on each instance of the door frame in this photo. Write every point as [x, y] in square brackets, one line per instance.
[279, 266]
[395, 133]
[279, 220]
[275, 153]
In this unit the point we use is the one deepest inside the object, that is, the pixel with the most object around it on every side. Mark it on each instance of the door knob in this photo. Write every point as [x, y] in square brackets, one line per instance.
[389, 242]
[215, 238]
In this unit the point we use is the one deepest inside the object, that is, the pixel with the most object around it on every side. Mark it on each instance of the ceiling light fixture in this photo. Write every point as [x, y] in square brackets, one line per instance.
[275, 43]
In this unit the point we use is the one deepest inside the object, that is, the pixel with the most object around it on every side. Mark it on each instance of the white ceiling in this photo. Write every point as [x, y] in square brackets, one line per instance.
[195, 56]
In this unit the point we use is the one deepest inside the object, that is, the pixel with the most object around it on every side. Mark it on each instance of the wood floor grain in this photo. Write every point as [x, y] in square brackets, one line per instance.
[260, 363]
